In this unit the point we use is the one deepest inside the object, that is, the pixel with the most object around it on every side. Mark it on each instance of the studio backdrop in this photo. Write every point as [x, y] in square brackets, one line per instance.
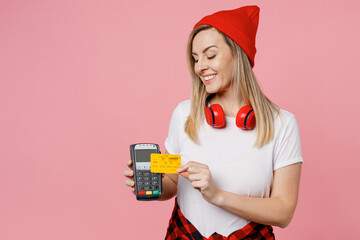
[82, 80]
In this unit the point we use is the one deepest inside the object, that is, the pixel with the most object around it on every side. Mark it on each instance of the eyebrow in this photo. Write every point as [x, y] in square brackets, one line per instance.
[205, 49]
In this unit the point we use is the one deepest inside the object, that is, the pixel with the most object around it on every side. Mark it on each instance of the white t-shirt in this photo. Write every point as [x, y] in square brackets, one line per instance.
[234, 163]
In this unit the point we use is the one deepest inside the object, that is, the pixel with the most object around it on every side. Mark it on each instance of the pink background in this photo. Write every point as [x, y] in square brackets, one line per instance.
[82, 80]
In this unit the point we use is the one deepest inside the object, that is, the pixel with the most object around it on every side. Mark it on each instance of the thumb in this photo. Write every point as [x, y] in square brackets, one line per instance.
[185, 174]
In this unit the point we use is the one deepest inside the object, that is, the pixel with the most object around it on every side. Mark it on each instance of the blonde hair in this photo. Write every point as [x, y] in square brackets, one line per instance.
[243, 79]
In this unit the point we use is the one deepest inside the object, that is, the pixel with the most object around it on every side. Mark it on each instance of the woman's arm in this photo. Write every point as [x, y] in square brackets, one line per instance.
[277, 210]
[169, 183]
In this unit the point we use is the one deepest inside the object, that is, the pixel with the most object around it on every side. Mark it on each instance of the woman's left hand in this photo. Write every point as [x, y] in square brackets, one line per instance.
[200, 177]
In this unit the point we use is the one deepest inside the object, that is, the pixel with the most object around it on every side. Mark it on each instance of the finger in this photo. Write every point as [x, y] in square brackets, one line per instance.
[130, 183]
[193, 170]
[195, 177]
[187, 168]
[128, 173]
[191, 176]
[196, 165]
[133, 189]
[129, 163]
[185, 174]
[199, 165]
[196, 184]
[184, 167]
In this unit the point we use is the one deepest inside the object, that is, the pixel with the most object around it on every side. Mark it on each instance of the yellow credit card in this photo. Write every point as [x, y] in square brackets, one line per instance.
[164, 163]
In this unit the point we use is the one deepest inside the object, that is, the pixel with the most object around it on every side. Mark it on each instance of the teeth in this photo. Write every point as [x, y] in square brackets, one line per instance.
[209, 77]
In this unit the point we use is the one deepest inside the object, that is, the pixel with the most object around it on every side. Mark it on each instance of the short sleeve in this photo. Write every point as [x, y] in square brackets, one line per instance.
[172, 142]
[288, 146]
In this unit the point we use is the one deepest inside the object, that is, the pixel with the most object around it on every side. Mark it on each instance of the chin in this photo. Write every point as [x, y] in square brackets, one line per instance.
[211, 90]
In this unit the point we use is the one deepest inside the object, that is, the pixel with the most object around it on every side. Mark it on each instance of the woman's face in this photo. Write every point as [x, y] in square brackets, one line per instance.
[214, 61]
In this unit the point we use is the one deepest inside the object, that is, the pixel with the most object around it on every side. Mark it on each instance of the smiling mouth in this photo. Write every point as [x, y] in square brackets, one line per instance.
[209, 77]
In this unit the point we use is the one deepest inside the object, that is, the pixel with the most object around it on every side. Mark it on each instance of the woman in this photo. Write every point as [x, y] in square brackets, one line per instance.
[238, 176]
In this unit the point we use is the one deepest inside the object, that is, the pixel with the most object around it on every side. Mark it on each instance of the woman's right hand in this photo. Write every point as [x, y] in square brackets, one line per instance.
[129, 173]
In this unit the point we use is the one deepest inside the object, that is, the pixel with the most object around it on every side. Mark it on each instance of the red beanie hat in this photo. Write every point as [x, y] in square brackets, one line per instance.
[239, 24]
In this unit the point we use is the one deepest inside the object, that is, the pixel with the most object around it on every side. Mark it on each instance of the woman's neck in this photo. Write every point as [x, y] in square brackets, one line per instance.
[229, 102]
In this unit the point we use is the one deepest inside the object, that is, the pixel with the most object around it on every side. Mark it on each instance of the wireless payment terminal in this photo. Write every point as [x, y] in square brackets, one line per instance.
[148, 185]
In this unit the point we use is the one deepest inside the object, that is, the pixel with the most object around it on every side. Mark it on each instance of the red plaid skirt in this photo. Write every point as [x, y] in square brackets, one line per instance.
[181, 228]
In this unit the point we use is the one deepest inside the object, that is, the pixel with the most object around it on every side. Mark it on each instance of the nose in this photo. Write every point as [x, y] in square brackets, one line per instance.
[201, 66]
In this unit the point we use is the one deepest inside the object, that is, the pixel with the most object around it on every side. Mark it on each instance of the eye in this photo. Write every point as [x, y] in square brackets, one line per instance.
[212, 56]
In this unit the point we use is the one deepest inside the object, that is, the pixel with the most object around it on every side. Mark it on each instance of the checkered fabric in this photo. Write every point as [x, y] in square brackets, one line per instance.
[180, 228]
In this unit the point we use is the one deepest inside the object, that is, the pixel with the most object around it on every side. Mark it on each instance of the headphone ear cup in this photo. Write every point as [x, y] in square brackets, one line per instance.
[209, 116]
[245, 118]
[251, 121]
[219, 116]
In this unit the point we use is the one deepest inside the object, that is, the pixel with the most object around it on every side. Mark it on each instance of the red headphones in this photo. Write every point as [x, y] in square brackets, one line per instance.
[245, 118]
